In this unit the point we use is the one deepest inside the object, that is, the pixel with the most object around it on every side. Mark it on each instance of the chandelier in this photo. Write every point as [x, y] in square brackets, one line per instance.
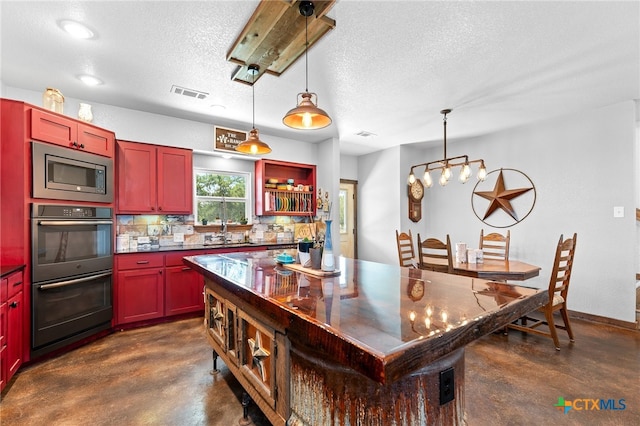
[447, 163]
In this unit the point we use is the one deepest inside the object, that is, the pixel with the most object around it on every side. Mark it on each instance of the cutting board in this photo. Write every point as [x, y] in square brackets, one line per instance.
[316, 272]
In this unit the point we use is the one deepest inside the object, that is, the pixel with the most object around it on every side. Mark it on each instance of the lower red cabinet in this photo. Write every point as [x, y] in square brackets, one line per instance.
[183, 290]
[155, 285]
[140, 295]
[11, 326]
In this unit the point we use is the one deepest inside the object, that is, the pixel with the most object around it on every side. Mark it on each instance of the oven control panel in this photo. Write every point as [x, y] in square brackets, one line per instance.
[60, 211]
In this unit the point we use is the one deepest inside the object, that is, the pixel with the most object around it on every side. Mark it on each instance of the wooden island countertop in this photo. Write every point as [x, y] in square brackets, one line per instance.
[388, 324]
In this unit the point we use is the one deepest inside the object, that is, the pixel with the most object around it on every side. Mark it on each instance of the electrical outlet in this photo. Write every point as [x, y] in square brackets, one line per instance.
[618, 211]
[447, 386]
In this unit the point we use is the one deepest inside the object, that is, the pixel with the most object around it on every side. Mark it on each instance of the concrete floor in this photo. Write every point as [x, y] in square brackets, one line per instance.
[159, 375]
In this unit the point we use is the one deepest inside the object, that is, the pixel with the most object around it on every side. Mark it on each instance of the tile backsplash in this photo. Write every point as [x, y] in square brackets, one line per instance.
[178, 230]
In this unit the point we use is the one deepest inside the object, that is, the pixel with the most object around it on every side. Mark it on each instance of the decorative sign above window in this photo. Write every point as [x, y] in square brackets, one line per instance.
[228, 139]
[504, 206]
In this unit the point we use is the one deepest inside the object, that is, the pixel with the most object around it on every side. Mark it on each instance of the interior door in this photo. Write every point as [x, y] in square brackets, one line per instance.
[348, 224]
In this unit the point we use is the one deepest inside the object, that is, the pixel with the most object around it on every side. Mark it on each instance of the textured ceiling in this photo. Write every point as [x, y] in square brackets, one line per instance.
[387, 68]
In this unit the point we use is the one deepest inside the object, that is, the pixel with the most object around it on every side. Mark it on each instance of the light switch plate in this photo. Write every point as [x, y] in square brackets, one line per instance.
[618, 211]
[178, 237]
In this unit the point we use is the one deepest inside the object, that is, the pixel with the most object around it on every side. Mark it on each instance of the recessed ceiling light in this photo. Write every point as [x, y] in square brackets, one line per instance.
[226, 156]
[76, 29]
[218, 106]
[90, 80]
[365, 134]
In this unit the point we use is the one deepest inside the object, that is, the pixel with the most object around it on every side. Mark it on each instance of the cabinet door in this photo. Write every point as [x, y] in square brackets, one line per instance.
[175, 180]
[136, 179]
[139, 295]
[3, 344]
[97, 141]
[15, 315]
[48, 127]
[183, 291]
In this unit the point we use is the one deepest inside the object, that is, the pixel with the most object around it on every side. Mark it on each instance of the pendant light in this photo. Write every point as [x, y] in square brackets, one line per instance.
[253, 145]
[306, 116]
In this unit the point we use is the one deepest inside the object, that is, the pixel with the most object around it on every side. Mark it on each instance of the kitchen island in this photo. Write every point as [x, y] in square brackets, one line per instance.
[376, 344]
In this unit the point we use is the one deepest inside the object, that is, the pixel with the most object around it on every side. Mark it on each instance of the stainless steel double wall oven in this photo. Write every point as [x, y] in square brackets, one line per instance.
[71, 247]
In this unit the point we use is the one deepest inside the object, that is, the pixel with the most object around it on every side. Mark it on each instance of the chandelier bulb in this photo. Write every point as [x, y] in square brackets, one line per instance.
[463, 178]
[482, 172]
[443, 178]
[412, 178]
[428, 182]
[466, 169]
[447, 171]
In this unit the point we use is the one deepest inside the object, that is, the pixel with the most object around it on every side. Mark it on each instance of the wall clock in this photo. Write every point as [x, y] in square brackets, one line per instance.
[415, 192]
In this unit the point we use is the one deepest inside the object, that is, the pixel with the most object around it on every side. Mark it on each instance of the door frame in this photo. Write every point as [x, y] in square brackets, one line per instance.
[355, 213]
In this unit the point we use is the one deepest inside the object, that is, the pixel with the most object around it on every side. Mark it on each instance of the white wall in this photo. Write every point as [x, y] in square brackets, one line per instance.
[582, 166]
[348, 167]
[379, 198]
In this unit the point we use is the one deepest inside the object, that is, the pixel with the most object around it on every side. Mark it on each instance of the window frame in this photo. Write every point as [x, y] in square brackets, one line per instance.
[248, 199]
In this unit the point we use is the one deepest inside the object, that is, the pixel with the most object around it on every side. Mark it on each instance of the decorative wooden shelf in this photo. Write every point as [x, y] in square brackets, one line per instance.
[280, 202]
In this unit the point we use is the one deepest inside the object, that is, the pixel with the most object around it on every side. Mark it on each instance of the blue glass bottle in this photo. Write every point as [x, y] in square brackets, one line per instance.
[328, 262]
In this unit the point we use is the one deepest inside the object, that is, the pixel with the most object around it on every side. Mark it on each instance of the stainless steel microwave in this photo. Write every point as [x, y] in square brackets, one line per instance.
[66, 174]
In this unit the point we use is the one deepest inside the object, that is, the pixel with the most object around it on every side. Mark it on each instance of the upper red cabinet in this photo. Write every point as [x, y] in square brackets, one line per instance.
[65, 131]
[153, 179]
[284, 188]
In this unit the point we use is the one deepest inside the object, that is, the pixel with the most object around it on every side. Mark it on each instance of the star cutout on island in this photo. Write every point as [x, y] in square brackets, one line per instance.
[258, 353]
[500, 198]
[217, 316]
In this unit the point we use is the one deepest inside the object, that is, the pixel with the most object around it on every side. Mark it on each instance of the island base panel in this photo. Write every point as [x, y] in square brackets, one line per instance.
[323, 393]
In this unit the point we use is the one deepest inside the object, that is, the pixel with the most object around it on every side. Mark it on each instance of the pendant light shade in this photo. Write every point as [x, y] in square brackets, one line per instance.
[306, 115]
[253, 145]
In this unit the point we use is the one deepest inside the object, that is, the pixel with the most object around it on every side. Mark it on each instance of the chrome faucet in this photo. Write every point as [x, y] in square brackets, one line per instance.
[224, 221]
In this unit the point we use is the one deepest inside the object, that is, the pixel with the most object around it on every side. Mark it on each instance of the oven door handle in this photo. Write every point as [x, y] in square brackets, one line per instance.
[74, 222]
[72, 282]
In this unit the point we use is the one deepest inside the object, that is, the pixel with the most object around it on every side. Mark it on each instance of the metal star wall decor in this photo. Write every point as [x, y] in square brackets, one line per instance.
[521, 198]
[258, 355]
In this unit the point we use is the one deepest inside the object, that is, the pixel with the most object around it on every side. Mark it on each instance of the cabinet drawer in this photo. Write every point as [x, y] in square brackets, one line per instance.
[175, 259]
[14, 284]
[139, 260]
[4, 285]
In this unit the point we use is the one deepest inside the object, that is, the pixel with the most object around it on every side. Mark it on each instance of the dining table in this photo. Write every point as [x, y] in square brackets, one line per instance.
[498, 270]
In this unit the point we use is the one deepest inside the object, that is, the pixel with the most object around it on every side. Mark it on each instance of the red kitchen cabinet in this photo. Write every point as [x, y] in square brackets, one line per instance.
[139, 289]
[153, 179]
[183, 291]
[183, 286]
[3, 342]
[11, 325]
[60, 130]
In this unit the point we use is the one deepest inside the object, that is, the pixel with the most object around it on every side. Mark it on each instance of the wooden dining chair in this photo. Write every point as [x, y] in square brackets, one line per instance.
[494, 245]
[435, 255]
[406, 252]
[558, 292]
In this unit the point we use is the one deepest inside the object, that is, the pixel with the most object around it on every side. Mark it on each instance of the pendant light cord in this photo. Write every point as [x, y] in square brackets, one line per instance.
[306, 53]
[444, 120]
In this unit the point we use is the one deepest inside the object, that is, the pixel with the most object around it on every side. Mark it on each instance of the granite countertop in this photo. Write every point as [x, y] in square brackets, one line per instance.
[9, 269]
[163, 249]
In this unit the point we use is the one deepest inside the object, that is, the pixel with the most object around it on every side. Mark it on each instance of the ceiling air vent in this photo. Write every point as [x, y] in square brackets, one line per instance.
[188, 92]
[365, 134]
